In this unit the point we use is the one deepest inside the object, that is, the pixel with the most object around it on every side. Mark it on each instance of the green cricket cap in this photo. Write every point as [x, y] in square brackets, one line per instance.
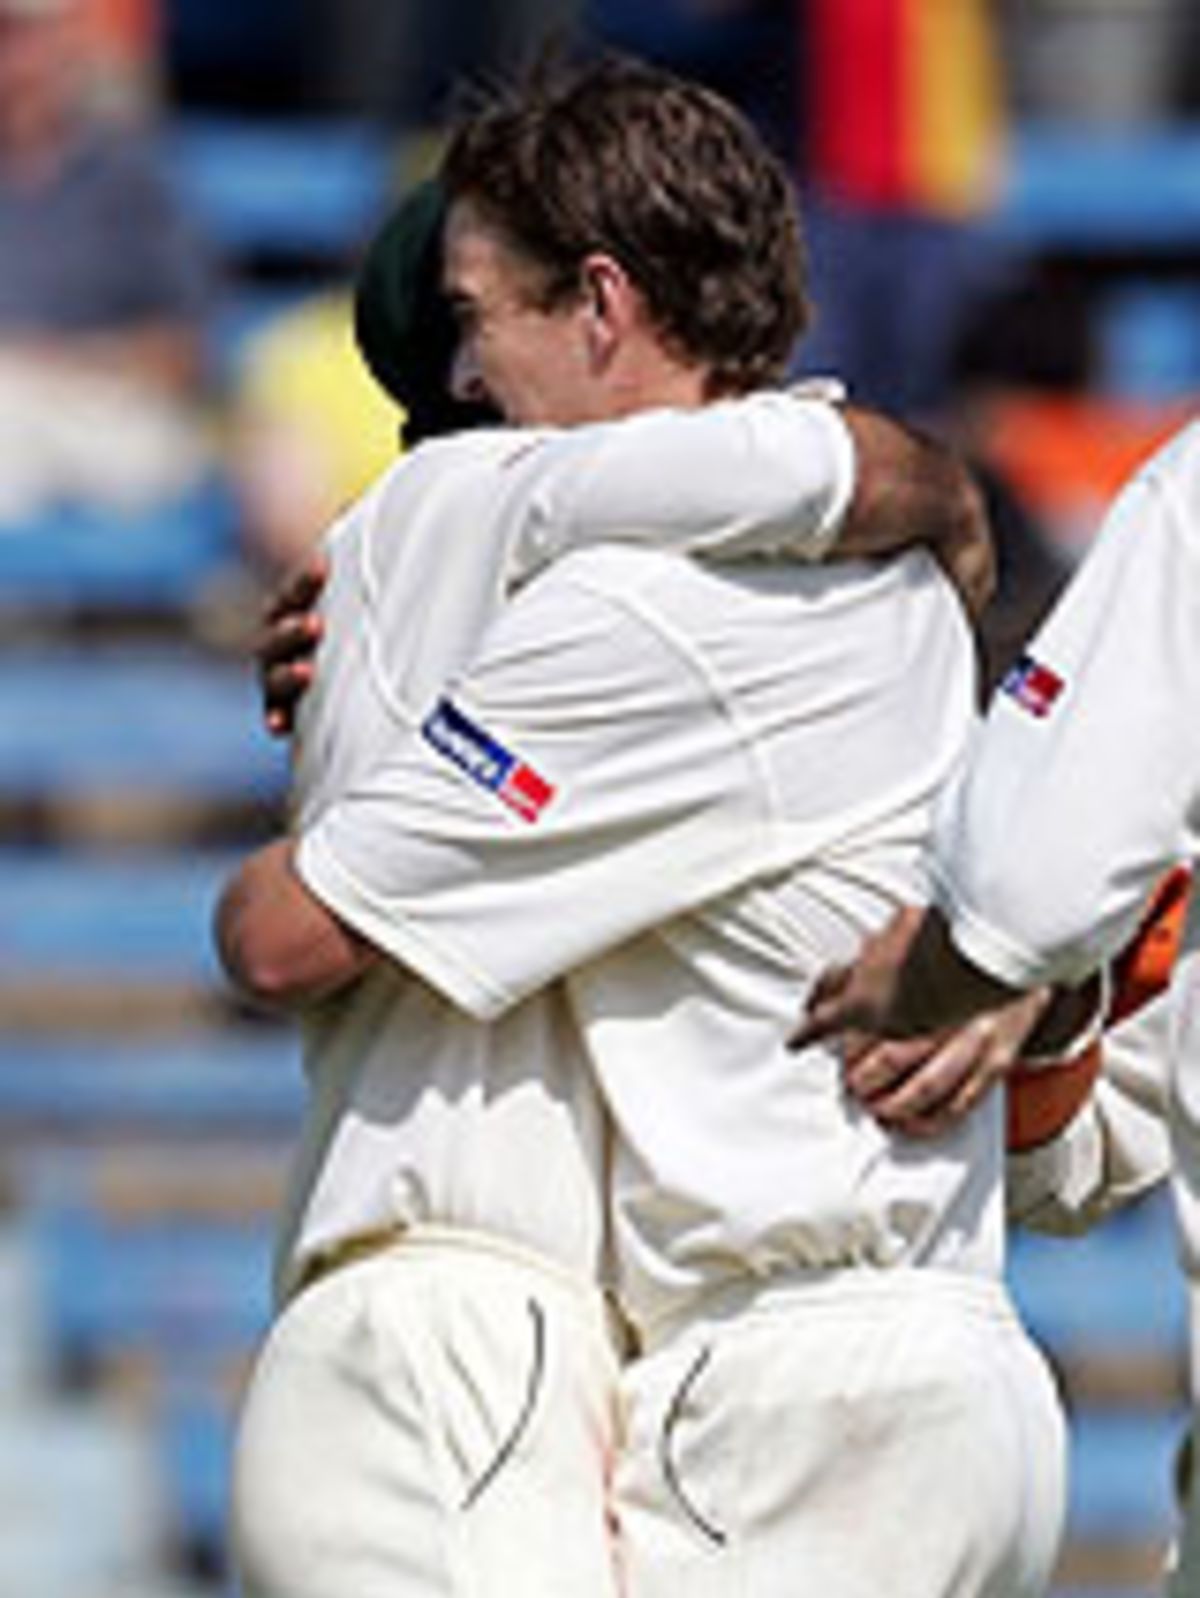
[402, 321]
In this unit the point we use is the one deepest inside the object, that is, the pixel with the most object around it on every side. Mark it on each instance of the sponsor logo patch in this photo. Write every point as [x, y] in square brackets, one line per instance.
[1034, 686]
[486, 761]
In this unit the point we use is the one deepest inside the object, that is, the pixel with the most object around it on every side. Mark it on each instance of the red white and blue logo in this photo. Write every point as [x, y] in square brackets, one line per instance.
[1034, 686]
[486, 761]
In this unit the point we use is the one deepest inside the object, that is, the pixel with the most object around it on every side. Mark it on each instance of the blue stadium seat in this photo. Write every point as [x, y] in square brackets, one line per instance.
[79, 557]
[64, 916]
[1079, 188]
[123, 1263]
[148, 718]
[307, 187]
[1148, 337]
[220, 1083]
[1118, 1287]
[193, 1432]
[1121, 1473]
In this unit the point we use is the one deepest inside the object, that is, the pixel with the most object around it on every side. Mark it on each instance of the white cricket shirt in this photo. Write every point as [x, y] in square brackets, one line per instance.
[663, 795]
[1084, 784]
[420, 1110]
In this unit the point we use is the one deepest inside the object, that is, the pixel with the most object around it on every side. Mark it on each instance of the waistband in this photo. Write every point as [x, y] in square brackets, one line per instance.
[471, 1249]
[867, 1291]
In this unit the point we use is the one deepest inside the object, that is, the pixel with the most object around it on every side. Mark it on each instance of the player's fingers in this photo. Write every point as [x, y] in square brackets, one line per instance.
[292, 637]
[299, 591]
[924, 1106]
[880, 1068]
[948, 1084]
[282, 689]
[284, 659]
[825, 1011]
[944, 1115]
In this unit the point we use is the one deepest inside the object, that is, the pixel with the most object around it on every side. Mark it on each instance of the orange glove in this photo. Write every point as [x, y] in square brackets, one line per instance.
[1044, 1098]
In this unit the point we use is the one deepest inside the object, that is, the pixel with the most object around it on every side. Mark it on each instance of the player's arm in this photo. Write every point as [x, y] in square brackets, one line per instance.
[773, 473]
[1074, 798]
[908, 981]
[279, 945]
[531, 822]
[1046, 1045]
[579, 785]
[912, 489]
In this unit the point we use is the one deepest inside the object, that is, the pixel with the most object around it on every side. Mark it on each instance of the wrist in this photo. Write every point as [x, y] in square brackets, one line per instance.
[1074, 1019]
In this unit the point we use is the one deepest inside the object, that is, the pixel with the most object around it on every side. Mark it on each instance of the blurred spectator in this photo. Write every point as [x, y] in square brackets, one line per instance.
[904, 137]
[1115, 62]
[331, 389]
[400, 63]
[741, 48]
[103, 289]
[126, 50]
[310, 429]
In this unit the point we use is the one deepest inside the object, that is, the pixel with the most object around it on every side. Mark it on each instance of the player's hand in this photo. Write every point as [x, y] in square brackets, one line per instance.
[287, 646]
[912, 488]
[923, 1087]
[860, 997]
[967, 555]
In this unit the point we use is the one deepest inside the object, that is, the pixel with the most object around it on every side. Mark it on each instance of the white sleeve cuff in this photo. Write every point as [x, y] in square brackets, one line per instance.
[435, 960]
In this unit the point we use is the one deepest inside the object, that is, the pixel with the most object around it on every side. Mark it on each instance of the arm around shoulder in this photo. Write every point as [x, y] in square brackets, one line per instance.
[913, 490]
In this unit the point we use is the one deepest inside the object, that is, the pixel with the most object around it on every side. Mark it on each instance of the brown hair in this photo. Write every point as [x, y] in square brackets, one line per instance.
[620, 157]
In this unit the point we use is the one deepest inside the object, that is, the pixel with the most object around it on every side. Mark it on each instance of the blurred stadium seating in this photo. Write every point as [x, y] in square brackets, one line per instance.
[1110, 1310]
[143, 1119]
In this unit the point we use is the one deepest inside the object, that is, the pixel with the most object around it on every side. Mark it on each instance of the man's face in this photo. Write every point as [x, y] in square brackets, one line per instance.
[533, 365]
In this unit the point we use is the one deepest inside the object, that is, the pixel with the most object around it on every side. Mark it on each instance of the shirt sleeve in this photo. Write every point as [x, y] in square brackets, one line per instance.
[581, 783]
[1084, 784]
[767, 474]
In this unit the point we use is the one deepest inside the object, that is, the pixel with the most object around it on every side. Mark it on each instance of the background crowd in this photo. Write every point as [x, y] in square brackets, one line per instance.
[1003, 218]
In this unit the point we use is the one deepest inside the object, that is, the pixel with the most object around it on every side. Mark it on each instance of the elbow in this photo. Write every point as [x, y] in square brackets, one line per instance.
[253, 968]
[279, 947]
[264, 984]
[257, 966]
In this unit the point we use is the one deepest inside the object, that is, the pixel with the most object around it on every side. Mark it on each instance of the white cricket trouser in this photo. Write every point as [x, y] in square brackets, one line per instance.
[437, 1419]
[879, 1434]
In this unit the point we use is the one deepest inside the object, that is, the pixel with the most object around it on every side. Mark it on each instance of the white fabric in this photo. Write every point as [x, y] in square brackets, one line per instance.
[1064, 822]
[656, 802]
[385, 1389]
[436, 1422]
[419, 1112]
[737, 479]
[742, 764]
[1048, 849]
[876, 1432]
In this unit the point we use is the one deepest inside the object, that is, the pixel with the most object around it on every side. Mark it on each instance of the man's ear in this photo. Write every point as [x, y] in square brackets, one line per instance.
[610, 303]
